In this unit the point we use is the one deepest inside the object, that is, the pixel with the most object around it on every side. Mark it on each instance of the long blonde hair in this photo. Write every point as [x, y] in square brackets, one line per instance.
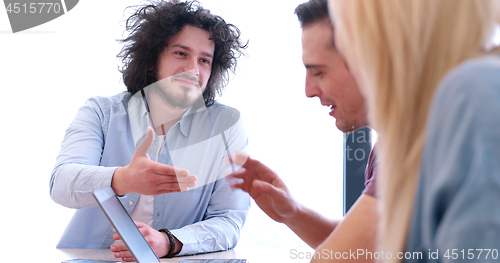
[401, 50]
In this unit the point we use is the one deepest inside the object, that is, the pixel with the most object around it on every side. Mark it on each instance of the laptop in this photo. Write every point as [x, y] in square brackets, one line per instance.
[125, 226]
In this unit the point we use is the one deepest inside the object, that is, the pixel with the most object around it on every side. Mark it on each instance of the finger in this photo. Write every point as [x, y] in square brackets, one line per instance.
[183, 182]
[143, 228]
[175, 187]
[239, 158]
[165, 183]
[179, 172]
[170, 188]
[167, 170]
[139, 224]
[119, 248]
[234, 178]
[236, 184]
[242, 180]
[251, 164]
[174, 179]
[242, 174]
[186, 185]
[187, 179]
[116, 237]
[246, 175]
[147, 142]
[124, 255]
[268, 189]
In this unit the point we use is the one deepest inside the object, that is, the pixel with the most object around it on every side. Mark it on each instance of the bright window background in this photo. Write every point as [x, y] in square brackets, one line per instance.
[48, 72]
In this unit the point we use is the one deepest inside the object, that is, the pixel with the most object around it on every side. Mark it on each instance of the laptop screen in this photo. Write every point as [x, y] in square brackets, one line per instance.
[125, 226]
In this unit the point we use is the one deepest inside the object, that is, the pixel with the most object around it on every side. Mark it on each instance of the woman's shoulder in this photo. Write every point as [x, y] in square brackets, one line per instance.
[473, 74]
[474, 81]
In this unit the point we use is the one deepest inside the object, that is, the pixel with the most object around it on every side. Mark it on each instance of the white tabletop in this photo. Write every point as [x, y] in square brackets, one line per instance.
[105, 254]
[251, 255]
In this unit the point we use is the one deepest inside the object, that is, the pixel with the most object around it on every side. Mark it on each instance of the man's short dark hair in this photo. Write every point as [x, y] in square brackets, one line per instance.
[312, 11]
[315, 11]
[153, 25]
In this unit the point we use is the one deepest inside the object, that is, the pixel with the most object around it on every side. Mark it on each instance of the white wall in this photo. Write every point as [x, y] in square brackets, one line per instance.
[47, 73]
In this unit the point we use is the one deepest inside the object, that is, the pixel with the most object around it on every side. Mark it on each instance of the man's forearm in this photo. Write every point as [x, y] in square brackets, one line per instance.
[72, 184]
[211, 235]
[312, 227]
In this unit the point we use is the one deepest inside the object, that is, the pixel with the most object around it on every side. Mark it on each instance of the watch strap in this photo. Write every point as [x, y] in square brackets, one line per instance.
[171, 240]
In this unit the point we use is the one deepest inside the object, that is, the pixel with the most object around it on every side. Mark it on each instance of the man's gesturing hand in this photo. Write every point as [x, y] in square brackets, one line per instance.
[265, 187]
[143, 176]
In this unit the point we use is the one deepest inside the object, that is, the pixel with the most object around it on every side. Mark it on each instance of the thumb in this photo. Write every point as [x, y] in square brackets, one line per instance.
[147, 142]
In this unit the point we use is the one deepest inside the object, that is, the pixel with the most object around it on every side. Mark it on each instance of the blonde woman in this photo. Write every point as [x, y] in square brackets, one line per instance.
[416, 59]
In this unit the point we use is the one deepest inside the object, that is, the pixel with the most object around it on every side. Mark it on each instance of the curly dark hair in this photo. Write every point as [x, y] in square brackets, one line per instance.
[150, 29]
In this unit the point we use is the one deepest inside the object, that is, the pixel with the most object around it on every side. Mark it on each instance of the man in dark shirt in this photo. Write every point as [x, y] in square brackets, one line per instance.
[327, 78]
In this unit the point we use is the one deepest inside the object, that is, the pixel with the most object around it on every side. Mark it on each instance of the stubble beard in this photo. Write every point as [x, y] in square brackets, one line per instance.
[176, 94]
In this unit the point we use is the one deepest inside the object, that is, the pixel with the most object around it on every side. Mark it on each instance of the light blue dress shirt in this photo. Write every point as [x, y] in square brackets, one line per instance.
[457, 209]
[103, 136]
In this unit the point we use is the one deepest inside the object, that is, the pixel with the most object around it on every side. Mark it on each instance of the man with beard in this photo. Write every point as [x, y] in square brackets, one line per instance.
[161, 137]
